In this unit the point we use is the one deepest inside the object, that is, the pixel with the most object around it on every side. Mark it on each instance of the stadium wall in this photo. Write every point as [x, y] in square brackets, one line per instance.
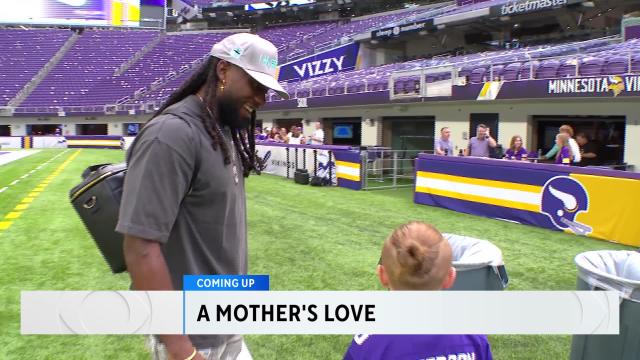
[115, 123]
[515, 117]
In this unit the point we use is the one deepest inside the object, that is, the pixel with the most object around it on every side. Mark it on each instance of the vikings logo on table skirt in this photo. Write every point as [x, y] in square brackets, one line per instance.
[563, 198]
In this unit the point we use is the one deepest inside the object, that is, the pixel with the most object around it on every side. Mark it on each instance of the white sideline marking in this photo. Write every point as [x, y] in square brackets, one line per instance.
[16, 157]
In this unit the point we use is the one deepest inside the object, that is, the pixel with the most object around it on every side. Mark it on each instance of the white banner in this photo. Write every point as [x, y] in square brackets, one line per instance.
[49, 142]
[276, 161]
[319, 312]
[11, 142]
[127, 141]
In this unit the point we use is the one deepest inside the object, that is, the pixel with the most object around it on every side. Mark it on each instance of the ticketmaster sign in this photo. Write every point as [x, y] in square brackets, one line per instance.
[526, 6]
[342, 58]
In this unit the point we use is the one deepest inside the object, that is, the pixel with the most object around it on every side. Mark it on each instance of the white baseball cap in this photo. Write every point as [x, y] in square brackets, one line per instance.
[255, 55]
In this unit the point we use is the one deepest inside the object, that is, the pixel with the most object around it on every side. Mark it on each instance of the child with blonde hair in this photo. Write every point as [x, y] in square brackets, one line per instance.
[417, 257]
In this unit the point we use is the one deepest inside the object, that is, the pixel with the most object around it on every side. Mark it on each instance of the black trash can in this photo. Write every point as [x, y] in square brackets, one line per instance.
[617, 271]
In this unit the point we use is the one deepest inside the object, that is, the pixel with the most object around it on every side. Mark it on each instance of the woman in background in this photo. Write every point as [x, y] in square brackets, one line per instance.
[282, 136]
[272, 134]
[516, 151]
[575, 149]
[564, 154]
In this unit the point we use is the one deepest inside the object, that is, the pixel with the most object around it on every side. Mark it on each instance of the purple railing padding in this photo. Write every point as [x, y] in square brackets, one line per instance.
[317, 147]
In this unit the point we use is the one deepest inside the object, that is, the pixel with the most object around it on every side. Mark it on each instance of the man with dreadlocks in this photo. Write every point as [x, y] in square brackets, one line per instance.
[183, 207]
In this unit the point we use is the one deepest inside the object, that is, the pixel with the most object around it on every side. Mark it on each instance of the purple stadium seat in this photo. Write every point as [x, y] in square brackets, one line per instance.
[635, 63]
[616, 65]
[591, 66]
[24, 53]
[527, 68]
[318, 90]
[567, 68]
[465, 72]
[510, 72]
[477, 75]
[548, 69]
[497, 72]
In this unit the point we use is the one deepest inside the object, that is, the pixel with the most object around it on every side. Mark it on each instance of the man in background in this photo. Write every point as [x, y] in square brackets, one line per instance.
[479, 145]
[416, 257]
[588, 150]
[444, 145]
[318, 135]
[295, 136]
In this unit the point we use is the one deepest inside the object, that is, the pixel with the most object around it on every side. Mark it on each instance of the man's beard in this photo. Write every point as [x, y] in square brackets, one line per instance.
[229, 113]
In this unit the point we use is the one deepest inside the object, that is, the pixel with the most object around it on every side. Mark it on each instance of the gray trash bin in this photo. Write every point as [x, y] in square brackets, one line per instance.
[478, 264]
[616, 271]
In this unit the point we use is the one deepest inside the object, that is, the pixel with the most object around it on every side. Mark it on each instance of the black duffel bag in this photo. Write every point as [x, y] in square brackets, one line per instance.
[301, 176]
[97, 202]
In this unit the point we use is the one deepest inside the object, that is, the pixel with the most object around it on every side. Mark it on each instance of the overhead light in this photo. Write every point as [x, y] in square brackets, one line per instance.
[589, 4]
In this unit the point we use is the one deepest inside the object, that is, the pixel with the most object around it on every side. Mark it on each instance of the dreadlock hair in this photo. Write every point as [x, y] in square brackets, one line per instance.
[243, 139]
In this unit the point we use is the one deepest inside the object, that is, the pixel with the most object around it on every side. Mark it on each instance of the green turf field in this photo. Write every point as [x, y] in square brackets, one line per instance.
[306, 238]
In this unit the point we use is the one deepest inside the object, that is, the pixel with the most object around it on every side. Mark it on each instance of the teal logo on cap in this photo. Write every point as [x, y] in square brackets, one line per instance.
[236, 52]
[269, 61]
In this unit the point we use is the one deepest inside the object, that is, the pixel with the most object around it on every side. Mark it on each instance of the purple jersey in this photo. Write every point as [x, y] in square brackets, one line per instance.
[565, 156]
[517, 155]
[419, 347]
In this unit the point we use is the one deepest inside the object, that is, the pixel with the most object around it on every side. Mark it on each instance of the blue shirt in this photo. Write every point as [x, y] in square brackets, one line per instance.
[419, 347]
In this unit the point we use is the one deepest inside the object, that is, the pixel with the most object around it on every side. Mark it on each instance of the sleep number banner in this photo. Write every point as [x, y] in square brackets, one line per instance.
[343, 58]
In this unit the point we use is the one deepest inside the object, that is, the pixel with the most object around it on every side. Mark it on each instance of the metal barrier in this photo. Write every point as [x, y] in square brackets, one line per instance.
[385, 168]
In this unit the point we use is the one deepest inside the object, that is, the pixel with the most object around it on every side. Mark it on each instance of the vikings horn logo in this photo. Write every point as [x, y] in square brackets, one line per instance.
[616, 85]
[563, 198]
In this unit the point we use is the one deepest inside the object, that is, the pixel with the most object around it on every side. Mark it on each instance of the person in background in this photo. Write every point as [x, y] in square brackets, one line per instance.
[273, 133]
[318, 135]
[588, 150]
[575, 149]
[260, 135]
[444, 145]
[417, 257]
[516, 151]
[564, 155]
[479, 145]
[295, 136]
[282, 136]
